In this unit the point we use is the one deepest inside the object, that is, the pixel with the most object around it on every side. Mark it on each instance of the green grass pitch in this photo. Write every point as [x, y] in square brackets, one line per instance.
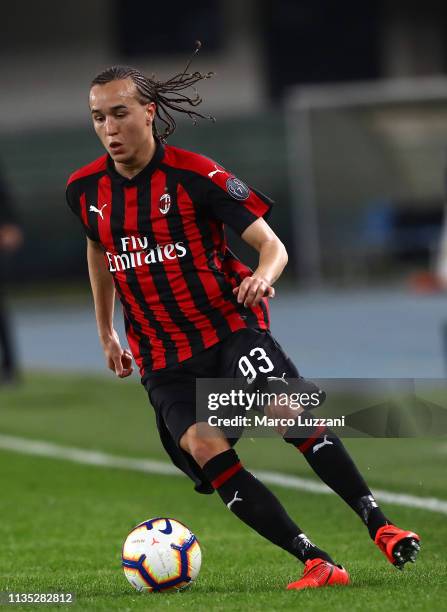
[62, 524]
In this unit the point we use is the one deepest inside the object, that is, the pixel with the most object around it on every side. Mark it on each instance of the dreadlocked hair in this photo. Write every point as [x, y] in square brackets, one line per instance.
[167, 95]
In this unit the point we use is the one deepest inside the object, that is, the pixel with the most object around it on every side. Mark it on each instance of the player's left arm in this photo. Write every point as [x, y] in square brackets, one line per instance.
[244, 209]
[272, 261]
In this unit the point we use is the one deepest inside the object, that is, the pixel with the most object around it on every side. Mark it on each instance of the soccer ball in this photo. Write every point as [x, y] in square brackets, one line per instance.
[161, 555]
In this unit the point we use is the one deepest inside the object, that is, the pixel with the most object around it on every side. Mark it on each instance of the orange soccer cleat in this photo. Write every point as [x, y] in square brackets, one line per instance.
[397, 545]
[320, 573]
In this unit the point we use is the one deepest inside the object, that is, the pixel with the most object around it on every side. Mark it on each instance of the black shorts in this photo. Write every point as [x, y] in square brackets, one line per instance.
[172, 392]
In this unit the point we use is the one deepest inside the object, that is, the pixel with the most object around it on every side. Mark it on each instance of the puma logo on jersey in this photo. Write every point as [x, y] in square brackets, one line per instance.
[324, 443]
[98, 210]
[211, 174]
[278, 378]
[235, 499]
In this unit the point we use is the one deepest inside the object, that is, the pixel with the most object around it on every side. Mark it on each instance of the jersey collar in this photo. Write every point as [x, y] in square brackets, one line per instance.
[143, 174]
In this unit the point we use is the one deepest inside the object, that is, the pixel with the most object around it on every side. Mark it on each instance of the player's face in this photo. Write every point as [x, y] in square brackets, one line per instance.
[122, 123]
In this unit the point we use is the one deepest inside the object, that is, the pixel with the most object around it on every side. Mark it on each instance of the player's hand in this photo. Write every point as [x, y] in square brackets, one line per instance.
[118, 360]
[252, 290]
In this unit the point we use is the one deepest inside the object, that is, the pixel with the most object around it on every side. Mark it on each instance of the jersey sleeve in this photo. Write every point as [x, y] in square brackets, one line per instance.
[77, 205]
[230, 200]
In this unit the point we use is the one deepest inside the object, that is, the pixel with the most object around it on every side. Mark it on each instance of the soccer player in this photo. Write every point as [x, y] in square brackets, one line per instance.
[154, 216]
[11, 238]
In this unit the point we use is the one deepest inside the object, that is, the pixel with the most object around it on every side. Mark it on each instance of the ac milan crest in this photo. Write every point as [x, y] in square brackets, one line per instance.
[165, 203]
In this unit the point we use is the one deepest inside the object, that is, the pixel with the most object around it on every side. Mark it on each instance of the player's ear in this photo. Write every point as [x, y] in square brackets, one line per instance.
[150, 112]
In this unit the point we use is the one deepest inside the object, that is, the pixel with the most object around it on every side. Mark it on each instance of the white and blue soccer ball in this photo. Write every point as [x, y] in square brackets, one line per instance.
[161, 554]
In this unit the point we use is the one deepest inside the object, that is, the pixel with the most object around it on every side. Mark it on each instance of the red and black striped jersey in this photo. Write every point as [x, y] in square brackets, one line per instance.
[164, 243]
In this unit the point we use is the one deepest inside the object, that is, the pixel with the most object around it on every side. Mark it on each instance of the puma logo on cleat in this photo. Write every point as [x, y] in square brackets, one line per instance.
[98, 210]
[211, 174]
[318, 446]
[278, 378]
[235, 499]
[304, 543]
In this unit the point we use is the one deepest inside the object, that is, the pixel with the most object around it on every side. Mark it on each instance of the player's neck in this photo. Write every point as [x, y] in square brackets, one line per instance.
[134, 166]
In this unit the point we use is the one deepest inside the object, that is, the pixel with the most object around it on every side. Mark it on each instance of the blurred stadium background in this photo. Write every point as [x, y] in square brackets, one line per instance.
[337, 110]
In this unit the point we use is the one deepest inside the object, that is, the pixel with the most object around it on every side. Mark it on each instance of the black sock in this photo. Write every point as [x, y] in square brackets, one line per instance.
[256, 506]
[330, 460]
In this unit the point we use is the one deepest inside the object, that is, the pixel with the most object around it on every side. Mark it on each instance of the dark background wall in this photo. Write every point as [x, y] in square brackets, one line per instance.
[50, 50]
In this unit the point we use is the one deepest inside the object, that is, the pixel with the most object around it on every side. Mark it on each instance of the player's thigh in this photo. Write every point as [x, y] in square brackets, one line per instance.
[257, 357]
[172, 393]
[174, 402]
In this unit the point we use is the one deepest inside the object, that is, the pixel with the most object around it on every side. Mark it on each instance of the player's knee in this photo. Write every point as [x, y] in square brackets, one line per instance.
[203, 452]
[202, 448]
[283, 416]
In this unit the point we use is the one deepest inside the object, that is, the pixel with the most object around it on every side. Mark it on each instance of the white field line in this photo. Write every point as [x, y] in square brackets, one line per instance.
[98, 458]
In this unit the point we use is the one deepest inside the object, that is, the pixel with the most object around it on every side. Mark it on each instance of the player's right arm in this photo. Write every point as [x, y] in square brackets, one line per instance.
[103, 290]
